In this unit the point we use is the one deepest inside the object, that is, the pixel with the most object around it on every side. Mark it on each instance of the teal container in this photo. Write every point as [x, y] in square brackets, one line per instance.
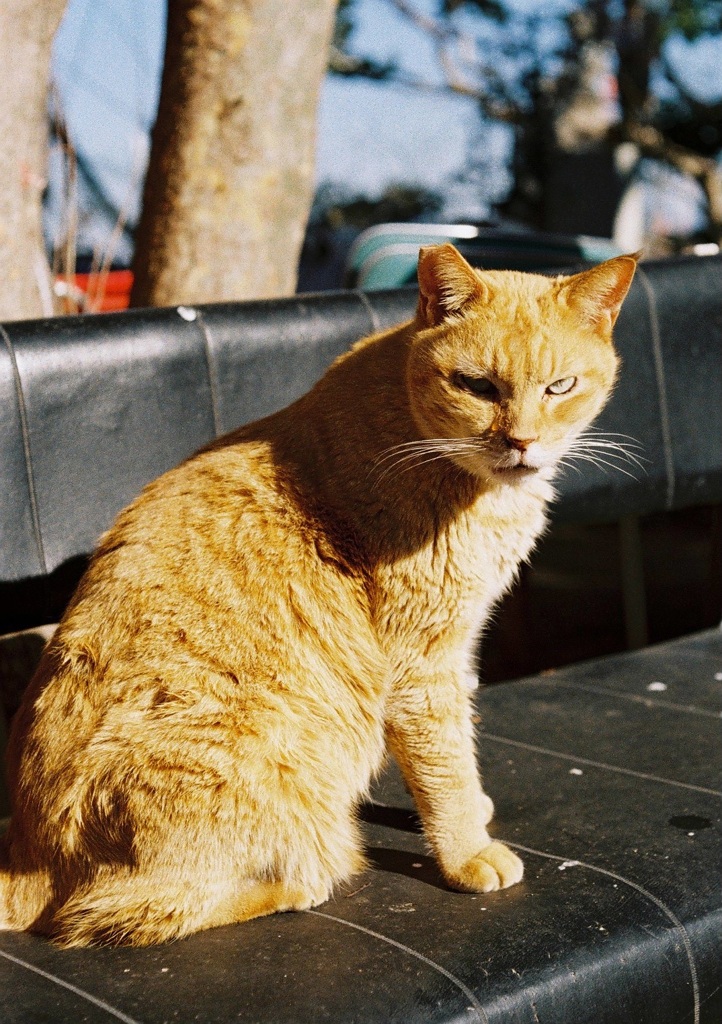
[385, 256]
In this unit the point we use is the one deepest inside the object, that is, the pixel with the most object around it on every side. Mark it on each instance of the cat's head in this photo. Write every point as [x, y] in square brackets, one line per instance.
[508, 368]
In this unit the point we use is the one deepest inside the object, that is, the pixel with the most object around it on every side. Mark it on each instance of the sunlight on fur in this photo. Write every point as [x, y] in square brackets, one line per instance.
[265, 620]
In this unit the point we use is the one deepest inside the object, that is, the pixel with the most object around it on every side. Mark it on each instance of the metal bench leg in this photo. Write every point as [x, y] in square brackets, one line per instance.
[632, 573]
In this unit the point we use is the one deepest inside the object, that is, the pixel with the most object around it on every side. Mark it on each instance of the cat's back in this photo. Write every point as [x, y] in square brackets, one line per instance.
[223, 502]
[211, 581]
[217, 619]
[218, 614]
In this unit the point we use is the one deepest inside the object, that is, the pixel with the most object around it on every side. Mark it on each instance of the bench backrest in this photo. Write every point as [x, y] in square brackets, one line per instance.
[93, 407]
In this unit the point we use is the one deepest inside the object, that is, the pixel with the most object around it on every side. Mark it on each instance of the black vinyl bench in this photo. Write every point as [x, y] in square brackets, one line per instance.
[605, 774]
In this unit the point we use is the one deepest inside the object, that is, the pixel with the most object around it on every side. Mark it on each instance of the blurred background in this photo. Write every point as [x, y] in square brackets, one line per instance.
[600, 118]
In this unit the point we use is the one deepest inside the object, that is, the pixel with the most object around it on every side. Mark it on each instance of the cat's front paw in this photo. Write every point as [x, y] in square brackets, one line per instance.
[494, 867]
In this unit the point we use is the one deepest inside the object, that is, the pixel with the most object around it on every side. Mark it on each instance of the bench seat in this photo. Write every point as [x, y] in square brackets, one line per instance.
[606, 777]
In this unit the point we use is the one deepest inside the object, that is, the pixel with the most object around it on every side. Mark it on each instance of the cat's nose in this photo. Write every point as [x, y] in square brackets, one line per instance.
[519, 443]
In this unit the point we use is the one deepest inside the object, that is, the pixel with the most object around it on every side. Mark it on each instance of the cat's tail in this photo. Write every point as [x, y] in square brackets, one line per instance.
[4, 899]
[24, 894]
[5, 885]
[128, 908]
[23, 898]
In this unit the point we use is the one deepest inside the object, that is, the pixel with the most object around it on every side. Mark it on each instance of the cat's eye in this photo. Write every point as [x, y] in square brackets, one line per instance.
[561, 386]
[480, 386]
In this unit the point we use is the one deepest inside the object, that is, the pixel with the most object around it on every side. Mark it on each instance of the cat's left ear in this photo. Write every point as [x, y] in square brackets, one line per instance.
[447, 283]
[598, 293]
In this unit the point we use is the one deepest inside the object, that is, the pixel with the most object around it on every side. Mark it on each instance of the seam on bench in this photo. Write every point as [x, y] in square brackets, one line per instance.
[650, 702]
[475, 1004]
[40, 548]
[661, 386]
[118, 1014]
[365, 301]
[211, 367]
[669, 913]
[597, 764]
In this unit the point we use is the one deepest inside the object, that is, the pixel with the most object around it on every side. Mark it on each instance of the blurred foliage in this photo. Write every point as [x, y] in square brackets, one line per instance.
[342, 61]
[692, 18]
[335, 208]
[571, 84]
[489, 8]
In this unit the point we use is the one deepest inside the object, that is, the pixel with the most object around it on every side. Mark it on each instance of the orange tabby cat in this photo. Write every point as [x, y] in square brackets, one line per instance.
[263, 620]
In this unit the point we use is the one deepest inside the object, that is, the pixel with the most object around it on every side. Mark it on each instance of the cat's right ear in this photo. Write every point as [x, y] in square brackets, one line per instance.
[597, 294]
[447, 283]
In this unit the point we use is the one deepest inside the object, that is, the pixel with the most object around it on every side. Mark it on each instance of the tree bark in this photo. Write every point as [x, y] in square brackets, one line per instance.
[230, 180]
[27, 28]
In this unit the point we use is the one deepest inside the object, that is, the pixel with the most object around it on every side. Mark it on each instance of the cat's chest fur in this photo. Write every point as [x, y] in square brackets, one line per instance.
[433, 601]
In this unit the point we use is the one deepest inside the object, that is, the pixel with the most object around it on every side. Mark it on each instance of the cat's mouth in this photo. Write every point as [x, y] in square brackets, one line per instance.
[519, 470]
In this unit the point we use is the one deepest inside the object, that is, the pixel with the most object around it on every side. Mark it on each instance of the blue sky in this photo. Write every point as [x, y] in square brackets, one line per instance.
[107, 60]
[107, 64]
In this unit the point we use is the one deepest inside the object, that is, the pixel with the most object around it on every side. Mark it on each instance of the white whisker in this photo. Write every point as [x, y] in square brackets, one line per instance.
[598, 461]
[598, 442]
[423, 462]
[606, 443]
[612, 433]
[420, 452]
[411, 448]
[602, 450]
[569, 465]
[612, 452]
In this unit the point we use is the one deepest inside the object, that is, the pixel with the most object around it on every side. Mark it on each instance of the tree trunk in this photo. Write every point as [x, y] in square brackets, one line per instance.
[27, 28]
[230, 180]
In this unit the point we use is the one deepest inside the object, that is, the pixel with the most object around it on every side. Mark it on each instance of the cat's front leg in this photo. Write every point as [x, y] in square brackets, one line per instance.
[430, 731]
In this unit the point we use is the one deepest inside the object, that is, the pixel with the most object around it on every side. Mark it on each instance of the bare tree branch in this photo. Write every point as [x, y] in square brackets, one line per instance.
[493, 100]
